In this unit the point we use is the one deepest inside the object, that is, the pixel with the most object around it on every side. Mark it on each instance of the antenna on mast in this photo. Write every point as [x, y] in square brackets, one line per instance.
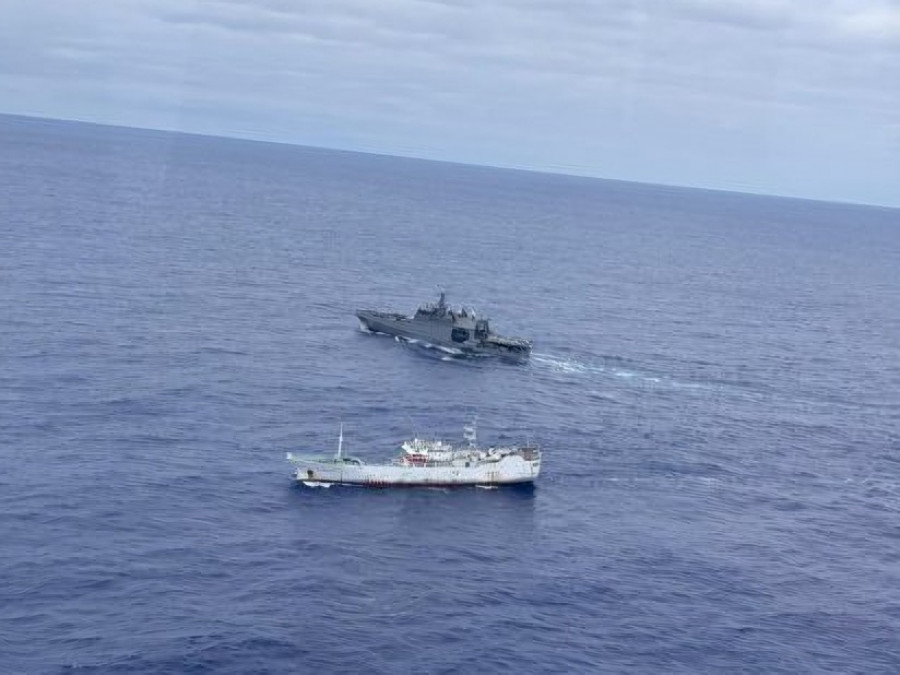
[412, 426]
[470, 432]
[340, 449]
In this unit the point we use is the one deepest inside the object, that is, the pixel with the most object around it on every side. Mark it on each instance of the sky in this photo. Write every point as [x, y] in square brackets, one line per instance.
[789, 97]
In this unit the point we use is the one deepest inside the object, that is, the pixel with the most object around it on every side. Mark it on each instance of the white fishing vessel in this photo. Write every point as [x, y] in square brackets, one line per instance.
[424, 463]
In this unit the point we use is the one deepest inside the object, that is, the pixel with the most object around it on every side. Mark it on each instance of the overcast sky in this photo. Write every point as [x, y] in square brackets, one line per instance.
[791, 97]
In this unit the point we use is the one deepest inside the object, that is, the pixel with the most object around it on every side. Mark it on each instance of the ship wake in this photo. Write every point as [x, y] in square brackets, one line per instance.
[438, 351]
[633, 376]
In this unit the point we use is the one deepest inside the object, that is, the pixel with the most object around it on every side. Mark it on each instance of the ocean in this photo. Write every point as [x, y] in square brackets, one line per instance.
[715, 385]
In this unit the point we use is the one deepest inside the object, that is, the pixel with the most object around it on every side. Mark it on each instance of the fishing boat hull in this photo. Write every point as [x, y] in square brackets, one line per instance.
[510, 470]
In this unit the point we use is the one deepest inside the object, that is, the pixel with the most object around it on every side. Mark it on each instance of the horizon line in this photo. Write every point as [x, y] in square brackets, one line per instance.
[544, 171]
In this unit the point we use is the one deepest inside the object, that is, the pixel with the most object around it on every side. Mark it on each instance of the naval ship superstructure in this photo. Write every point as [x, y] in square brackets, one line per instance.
[458, 331]
[424, 463]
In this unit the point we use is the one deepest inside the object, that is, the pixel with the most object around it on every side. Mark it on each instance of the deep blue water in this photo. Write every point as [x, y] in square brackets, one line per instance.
[715, 385]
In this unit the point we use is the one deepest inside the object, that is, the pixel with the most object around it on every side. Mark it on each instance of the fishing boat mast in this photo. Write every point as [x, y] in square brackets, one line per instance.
[470, 433]
[337, 455]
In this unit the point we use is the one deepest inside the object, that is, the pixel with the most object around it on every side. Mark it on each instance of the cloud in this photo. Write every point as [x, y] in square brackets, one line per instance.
[880, 23]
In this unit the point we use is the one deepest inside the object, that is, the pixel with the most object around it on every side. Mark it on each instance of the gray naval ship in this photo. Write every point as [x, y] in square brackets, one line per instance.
[455, 331]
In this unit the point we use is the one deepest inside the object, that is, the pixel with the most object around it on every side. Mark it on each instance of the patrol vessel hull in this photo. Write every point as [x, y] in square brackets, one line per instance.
[458, 332]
